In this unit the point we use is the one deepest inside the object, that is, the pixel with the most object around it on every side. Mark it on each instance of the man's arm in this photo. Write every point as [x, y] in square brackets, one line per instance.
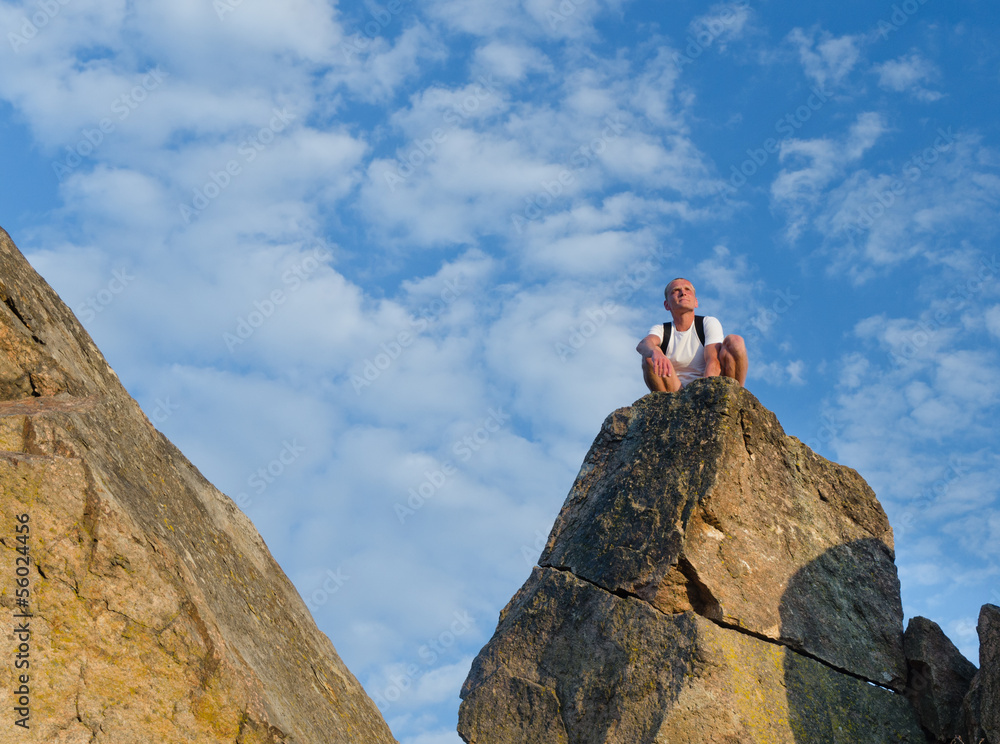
[649, 348]
[713, 345]
[712, 366]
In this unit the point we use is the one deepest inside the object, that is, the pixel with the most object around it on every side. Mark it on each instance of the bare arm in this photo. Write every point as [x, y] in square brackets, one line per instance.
[649, 348]
[712, 366]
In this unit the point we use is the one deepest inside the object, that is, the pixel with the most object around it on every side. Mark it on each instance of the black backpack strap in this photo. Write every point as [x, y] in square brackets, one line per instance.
[699, 327]
[667, 330]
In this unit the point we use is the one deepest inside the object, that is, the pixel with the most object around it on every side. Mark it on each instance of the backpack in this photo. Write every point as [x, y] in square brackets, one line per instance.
[699, 327]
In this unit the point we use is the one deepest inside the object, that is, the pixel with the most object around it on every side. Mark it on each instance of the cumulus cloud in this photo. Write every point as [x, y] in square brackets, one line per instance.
[909, 74]
[570, 19]
[826, 59]
[992, 317]
[472, 164]
[512, 62]
[811, 165]
[873, 220]
[470, 210]
[725, 22]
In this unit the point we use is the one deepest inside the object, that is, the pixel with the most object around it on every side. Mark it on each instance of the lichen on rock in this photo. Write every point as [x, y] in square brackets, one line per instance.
[157, 612]
[709, 579]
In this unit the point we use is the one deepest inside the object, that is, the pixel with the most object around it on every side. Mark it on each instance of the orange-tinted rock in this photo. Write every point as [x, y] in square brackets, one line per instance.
[157, 612]
[709, 579]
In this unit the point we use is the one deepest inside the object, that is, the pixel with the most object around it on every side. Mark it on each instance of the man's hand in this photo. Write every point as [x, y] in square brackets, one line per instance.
[657, 370]
[660, 364]
[654, 358]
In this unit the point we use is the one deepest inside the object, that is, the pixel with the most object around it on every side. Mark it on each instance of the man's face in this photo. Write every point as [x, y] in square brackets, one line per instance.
[680, 295]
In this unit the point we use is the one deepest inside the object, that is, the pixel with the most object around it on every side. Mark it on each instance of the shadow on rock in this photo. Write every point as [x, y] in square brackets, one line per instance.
[839, 691]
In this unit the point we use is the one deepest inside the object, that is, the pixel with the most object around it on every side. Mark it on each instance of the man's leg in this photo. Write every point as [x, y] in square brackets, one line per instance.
[733, 358]
[655, 382]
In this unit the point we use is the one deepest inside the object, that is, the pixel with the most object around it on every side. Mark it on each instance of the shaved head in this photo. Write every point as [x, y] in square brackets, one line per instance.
[666, 290]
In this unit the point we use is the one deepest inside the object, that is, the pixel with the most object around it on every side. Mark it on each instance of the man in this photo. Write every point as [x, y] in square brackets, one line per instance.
[686, 357]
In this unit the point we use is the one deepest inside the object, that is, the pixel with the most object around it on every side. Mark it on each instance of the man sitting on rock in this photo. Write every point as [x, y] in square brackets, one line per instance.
[694, 346]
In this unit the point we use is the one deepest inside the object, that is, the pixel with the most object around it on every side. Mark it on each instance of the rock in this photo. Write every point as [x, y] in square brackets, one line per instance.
[572, 662]
[156, 611]
[939, 679]
[989, 665]
[981, 708]
[709, 579]
[698, 501]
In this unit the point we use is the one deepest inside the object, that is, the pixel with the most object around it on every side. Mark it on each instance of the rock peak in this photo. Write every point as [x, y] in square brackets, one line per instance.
[709, 578]
[157, 612]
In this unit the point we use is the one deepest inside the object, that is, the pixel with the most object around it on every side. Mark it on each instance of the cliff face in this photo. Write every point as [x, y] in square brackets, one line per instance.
[149, 609]
[709, 579]
[981, 707]
[939, 679]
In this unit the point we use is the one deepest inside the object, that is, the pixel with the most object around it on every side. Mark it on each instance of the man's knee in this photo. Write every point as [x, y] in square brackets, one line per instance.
[735, 345]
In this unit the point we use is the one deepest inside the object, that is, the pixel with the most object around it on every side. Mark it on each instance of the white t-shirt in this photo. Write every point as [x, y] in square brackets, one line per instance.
[685, 351]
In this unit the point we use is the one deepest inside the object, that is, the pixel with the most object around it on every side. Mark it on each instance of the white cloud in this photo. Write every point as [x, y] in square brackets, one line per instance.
[723, 23]
[604, 146]
[530, 19]
[441, 684]
[992, 317]
[502, 168]
[480, 17]
[444, 736]
[963, 633]
[795, 371]
[512, 62]
[909, 74]
[440, 109]
[872, 221]
[811, 165]
[827, 60]
[571, 20]
[913, 414]
[375, 67]
[655, 95]
[587, 253]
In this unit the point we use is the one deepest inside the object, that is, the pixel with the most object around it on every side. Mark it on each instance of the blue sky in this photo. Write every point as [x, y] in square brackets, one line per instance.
[379, 270]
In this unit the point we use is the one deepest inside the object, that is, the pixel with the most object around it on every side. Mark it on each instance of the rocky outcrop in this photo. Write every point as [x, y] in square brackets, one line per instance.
[153, 609]
[981, 708]
[709, 579]
[939, 679]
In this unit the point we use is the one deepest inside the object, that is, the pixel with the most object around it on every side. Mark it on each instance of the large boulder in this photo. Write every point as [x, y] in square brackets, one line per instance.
[151, 608]
[573, 663]
[699, 501]
[981, 708]
[708, 579]
[939, 679]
